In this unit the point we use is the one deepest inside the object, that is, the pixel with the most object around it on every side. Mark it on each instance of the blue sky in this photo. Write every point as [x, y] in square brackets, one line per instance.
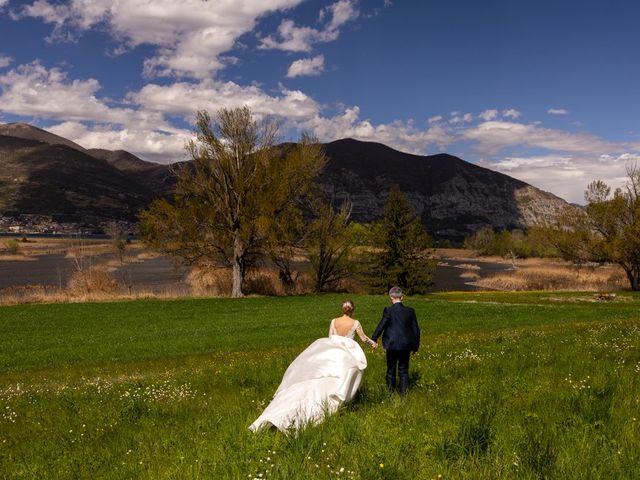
[544, 91]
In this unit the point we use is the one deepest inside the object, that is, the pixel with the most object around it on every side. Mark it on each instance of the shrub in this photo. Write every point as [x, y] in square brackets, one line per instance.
[13, 246]
[93, 280]
[210, 281]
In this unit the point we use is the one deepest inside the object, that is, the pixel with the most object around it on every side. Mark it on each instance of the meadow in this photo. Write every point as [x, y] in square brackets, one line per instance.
[506, 385]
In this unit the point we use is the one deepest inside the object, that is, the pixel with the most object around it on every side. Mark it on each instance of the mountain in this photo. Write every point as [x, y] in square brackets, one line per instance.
[29, 132]
[58, 180]
[47, 174]
[155, 176]
[453, 197]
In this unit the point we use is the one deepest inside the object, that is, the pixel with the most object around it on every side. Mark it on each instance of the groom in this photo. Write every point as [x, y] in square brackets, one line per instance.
[401, 337]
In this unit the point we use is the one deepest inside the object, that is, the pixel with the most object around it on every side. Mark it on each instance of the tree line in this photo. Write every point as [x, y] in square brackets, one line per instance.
[605, 230]
[245, 200]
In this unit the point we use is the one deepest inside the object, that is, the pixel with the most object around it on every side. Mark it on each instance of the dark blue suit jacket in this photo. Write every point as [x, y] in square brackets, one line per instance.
[399, 328]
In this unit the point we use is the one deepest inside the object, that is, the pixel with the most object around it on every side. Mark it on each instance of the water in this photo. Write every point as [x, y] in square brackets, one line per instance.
[448, 279]
[158, 273]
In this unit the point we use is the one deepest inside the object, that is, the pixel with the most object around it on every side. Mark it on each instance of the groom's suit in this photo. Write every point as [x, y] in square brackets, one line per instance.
[400, 336]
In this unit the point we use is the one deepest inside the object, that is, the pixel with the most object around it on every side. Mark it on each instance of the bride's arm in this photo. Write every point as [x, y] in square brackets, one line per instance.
[363, 337]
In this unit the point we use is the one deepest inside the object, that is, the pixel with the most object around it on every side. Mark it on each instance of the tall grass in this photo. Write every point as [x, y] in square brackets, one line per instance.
[505, 386]
[589, 279]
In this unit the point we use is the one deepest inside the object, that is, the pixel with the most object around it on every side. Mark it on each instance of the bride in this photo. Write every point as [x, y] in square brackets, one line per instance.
[321, 378]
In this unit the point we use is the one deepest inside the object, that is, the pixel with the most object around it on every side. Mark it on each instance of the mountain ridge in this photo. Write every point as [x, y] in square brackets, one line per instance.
[453, 197]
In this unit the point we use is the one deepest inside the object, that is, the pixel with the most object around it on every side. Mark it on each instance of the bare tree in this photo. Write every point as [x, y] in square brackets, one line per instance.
[237, 188]
[330, 245]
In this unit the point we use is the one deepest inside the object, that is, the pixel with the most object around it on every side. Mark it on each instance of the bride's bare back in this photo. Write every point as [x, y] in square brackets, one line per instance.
[346, 326]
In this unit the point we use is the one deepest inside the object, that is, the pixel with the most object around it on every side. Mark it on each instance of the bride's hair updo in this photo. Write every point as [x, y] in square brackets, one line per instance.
[348, 307]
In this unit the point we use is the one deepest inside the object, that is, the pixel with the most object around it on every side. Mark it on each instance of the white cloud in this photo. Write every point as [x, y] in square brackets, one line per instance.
[5, 61]
[3, 3]
[191, 35]
[564, 175]
[340, 13]
[400, 135]
[557, 111]
[306, 67]
[488, 115]
[495, 135]
[435, 119]
[292, 38]
[511, 113]
[33, 90]
[185, 98]
[457, 118]
[148, 144]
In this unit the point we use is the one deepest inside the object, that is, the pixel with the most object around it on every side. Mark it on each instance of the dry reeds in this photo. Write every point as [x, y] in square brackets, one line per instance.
[469, 275]
[93, 280]
[568, 278]
[218, 282]
[210, 281]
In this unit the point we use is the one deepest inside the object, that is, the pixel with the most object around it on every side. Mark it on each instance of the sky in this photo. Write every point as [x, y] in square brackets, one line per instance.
[545, 91]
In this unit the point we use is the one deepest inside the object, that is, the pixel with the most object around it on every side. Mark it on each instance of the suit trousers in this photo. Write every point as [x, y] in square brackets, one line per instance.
[398, 361]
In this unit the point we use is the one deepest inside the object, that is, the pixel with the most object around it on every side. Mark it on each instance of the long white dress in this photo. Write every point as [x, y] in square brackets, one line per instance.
[324, 376]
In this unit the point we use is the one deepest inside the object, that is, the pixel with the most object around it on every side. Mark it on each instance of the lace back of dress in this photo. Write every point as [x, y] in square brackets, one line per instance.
[350, 334]
[352, 330]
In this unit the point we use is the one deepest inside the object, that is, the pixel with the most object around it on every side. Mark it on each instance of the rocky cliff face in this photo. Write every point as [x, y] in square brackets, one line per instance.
[454, 198]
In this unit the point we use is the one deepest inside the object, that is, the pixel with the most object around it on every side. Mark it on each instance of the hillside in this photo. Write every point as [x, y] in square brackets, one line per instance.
[29, 132]
[453, 197]
[47, 174]
[38, 178]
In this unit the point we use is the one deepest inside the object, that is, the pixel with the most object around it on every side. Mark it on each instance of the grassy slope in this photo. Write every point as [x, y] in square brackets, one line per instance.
[506, 385]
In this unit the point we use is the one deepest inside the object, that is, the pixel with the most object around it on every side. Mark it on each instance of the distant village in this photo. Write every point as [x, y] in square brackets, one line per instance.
[29, 224]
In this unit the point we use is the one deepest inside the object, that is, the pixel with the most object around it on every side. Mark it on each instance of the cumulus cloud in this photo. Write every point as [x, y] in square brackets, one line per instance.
[306, 67]
[557, 111]
[400, 135]
[142, 126]
[33, 90]
[148, 144]
[185, 98]
[457, 118]
[565, 175]
[488, 115]
[292, 38]
[493, 136]
[511, 113]
[3, 3]
[5, 61]
[191, 35]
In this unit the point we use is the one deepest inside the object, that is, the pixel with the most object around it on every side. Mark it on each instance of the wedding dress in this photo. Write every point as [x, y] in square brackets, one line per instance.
[324, 376]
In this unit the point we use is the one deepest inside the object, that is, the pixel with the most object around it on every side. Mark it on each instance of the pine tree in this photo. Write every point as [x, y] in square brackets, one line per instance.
[404, 258]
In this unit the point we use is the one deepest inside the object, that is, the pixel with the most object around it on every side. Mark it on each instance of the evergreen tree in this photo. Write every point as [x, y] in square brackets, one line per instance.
[404, 257]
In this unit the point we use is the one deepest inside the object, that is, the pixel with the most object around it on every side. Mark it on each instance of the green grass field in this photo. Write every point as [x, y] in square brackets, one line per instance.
[513, 386]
